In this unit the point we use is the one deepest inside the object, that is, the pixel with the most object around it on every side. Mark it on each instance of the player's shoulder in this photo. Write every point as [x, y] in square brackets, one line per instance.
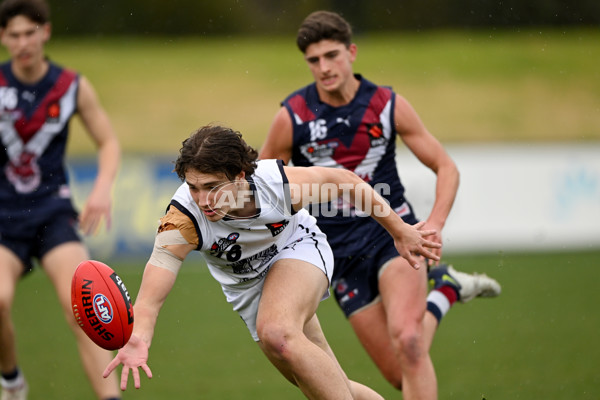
[58, 69]
[303, 91]
[371, 86]
[269, 169]
[179, 219]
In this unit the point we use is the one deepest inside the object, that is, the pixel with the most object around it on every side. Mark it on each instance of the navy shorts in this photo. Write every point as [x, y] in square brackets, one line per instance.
[355, 278]
[31, 238]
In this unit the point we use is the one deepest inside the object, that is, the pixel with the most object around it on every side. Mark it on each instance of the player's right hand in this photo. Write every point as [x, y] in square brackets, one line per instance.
[133, 356]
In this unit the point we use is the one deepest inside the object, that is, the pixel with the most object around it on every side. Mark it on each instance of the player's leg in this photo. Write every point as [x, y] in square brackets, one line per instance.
[466, 286]
[60, 264]
[315, 334]
[12, 379]
[291, 294]
[403, 292]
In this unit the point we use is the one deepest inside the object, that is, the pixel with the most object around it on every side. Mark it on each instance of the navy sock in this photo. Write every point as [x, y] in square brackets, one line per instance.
[11, 375]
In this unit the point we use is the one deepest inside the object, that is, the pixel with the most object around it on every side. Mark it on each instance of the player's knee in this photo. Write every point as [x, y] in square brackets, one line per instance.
[277, 339]
[409, 345]
[5, 307]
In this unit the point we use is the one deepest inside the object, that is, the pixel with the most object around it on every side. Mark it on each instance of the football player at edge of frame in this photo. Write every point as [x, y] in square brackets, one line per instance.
[342, 120]
[37, 218]
[246, 217]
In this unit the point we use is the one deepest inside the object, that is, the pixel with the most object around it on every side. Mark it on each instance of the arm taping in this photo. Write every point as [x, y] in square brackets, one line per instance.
[161, 256]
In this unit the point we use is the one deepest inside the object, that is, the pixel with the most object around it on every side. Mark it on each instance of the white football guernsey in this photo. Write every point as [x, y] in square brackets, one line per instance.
[239, 252]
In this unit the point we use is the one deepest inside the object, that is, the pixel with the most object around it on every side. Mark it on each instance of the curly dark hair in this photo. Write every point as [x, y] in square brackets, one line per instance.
[215, 149]
[322, 25]
[36, 10]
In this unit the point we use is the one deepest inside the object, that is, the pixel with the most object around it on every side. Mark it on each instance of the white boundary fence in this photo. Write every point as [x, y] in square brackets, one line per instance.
[511, 198]
[516, 197]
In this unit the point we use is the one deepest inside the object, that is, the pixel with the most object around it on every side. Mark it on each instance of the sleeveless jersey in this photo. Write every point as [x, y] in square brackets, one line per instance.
[34, 123]
[360, 137]
[239, 252]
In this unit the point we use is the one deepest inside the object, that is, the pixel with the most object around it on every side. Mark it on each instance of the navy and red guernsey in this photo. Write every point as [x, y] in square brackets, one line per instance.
[360, 137]
[34, 125]
[34, 122]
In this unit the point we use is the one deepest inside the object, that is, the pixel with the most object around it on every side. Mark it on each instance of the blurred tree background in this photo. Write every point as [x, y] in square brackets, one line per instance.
[231, 17]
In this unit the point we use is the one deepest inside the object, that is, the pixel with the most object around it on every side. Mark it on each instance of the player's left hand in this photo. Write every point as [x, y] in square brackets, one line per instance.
[97, 207]
[133, 355]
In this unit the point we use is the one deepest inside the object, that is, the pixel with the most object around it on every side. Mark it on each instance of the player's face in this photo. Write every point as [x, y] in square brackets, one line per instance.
[330, 63]
[24, 40]
[215, 194]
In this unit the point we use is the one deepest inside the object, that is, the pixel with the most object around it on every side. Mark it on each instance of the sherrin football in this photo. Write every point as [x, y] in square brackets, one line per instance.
[101, 304]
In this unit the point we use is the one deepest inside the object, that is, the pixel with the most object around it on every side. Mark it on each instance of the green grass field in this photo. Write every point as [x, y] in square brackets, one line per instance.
[536, 341]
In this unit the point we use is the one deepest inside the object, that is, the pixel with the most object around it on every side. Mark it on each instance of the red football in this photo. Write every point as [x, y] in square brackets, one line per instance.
[101, 304]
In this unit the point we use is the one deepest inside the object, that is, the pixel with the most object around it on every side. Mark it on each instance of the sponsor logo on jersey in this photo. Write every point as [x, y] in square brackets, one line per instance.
[277, 227]
[376, 134]
[313, 150]
[24, 173]
[220, 246]
[102, 308]
[255, 263]
[345, 121]
[53, 112]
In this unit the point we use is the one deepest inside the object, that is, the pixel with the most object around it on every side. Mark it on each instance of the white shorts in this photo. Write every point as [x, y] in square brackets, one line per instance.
[306, 244]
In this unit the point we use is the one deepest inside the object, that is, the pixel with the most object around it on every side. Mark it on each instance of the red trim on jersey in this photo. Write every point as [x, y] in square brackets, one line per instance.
[351, 157]
[377, 104]
[299, 106]
[28, 128]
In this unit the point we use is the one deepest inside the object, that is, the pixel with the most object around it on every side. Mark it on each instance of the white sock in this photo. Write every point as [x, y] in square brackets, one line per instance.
[16, 382]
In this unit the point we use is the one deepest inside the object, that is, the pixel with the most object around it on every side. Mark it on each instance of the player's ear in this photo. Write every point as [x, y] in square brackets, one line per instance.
[240, 176]
[353, 50]
[47, 29]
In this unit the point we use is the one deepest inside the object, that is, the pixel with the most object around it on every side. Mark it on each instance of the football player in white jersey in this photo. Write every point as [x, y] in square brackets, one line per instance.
[247, 219]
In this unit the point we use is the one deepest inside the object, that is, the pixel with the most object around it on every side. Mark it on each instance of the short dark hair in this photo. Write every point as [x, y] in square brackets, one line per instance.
[322, 25]
[36, 10]
[215, 149]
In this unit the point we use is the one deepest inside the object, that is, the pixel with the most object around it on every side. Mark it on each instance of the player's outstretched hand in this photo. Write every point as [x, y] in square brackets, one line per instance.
[413, 242]
[133, 356]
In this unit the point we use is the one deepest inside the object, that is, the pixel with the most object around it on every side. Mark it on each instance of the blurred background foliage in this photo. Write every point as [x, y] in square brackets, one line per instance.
[231, 17]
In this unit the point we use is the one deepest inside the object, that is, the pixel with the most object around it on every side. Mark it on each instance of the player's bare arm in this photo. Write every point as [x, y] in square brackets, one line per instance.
[278, 144]
[333, 182]
[98, 126]
[431, 153]
[157, 283]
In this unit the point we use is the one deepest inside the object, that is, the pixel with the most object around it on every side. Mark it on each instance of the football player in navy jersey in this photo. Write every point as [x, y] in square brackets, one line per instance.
[342, 120]
[37, 217]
